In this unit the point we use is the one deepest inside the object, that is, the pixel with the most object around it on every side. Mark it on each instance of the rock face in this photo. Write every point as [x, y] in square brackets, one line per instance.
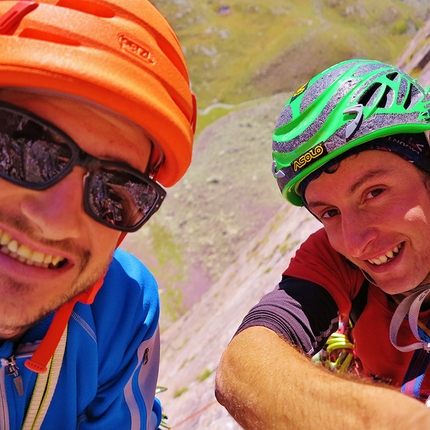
[192, 346]
[416, 58]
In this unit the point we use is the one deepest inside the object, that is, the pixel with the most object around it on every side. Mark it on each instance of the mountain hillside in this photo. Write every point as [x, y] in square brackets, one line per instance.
[255, 51]
[227, 194]
[239, 50]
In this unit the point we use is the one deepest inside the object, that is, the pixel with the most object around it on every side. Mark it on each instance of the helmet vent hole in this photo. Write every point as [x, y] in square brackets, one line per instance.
[368, 98]
[378, 95]
[87, 7]
[414, 96]
[392, 76]
[387, 98]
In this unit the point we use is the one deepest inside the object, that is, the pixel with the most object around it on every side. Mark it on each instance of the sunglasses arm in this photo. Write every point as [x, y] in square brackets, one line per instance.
[121, 238]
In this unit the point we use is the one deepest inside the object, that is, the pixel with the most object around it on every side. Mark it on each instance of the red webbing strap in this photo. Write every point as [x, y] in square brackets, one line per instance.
[39, 361]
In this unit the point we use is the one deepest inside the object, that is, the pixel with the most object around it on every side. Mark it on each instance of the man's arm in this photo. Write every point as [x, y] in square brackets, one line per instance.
[265, 383]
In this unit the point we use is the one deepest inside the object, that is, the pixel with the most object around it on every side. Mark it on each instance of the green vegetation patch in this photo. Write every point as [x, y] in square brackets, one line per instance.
[258, 48]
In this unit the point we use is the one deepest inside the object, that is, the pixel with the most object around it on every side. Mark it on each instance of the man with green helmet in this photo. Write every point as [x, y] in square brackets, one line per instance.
[96, 117]
[351, 146]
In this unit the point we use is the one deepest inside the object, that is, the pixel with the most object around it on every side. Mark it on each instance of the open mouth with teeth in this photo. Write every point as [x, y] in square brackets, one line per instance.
[389, 256]
[24, 254]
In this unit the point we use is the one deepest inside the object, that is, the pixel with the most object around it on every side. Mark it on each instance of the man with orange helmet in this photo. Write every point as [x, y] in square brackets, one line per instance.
[352, 146]
[96, 114]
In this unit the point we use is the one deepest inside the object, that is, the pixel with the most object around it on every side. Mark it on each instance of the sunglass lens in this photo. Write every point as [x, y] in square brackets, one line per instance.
[118, 198]
[30, 153]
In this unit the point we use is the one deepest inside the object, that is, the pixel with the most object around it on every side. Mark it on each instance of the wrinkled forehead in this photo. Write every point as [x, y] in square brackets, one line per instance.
[97, 130]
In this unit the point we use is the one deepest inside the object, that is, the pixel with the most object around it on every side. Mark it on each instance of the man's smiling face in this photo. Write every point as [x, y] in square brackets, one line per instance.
[51, 249]
[375, 208]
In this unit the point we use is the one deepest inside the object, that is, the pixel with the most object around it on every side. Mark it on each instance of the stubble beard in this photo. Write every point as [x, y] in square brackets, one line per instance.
[21, 315]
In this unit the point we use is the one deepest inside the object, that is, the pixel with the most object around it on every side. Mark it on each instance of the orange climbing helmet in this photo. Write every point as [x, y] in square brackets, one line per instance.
[121, 54]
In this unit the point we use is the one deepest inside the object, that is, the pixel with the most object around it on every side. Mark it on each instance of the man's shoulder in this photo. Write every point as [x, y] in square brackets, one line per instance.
[127, 277]
[123, 316]
[126, 265]
[128, 298]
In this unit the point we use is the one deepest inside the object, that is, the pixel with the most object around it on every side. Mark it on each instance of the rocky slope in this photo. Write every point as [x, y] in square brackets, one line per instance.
[416, 58]
[227, 194]
[192, 346]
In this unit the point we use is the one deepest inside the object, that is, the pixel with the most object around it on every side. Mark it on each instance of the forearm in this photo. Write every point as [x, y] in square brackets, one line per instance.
[265, 383]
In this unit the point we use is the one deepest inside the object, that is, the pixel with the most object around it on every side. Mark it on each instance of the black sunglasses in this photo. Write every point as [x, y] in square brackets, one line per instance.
[36, 155]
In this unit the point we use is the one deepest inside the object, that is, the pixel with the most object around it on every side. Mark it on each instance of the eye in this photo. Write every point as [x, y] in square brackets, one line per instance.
[374, 193]
[330, 213]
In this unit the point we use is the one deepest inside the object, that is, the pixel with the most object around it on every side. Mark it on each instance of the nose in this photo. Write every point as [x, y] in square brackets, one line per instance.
[57, 212]
[358, 232]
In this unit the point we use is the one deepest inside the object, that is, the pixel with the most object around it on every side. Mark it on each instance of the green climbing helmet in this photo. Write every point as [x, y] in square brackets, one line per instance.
[356, 102]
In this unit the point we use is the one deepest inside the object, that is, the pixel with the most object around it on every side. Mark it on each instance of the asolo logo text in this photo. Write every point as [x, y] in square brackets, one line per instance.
[308, 157]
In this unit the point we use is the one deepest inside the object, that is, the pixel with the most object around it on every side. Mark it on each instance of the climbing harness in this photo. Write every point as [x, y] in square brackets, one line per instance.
[409, 308]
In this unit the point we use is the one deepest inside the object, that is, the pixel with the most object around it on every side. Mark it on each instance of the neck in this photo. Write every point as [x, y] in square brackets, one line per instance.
[420, 289]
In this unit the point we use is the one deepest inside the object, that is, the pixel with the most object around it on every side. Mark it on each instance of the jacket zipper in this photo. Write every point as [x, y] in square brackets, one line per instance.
[12, 369]
[4, 411]
[8, 368]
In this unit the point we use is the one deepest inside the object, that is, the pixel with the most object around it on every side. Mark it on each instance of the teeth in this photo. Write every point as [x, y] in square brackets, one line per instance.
[23, 251]
[47, 259]
[55, 260]
[5, 238]
[13, 246]
[384, 258]
[377, 262]
[24, 254]
[37, 256]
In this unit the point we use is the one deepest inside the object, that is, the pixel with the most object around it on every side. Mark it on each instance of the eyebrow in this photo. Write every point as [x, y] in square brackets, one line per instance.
[365, 178]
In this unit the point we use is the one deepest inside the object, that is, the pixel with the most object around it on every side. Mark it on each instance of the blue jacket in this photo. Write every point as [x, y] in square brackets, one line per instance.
[110, 366]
